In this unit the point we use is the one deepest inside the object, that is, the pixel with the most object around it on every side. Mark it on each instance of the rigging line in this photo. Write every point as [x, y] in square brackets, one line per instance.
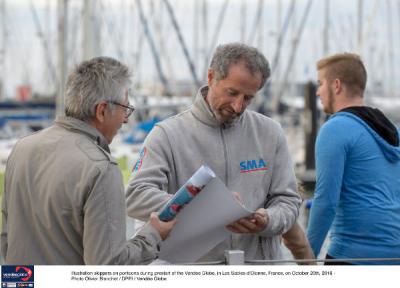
[196, 25]
[72, 48]
[137, 53]
[257, 20]
[50, 66]
[153, 49]
[275, 62]
[204, 22]
[62, 11]
[183, 44]
[217, 31]
[277, 56]
[370, 19]
[325, 46]
[17, 34]
[3, 49]
[292, 55]
[390, 48]
[360, 10]
[111, 31]
[282, 35]
[158, 27]
[243, 20]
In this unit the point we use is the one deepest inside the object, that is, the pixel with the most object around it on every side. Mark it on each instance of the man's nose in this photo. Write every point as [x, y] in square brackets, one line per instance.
[237, 104]
[317, 92]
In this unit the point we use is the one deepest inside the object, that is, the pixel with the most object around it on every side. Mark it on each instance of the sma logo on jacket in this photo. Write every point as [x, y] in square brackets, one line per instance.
[139, 162]
[253, 166]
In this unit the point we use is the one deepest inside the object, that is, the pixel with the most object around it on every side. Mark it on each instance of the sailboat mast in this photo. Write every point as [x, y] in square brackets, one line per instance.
[196, 26]
[360, 22]
[326, 27]
[3, 49]
[62, 54]
[390, 55]
[182, 43]
[91, 31]
[243, 20]
[153, 48]
[204, 40]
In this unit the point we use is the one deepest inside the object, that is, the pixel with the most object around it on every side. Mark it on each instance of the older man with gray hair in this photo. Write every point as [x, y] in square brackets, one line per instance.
[64, 198]
[246, 150]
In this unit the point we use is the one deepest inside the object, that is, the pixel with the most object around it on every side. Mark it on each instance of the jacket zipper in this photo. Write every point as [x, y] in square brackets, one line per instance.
[225, 153]
[226, 172]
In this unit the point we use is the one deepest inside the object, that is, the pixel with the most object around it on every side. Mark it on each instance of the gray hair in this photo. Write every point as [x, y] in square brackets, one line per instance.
[93, 81]
[232, 53]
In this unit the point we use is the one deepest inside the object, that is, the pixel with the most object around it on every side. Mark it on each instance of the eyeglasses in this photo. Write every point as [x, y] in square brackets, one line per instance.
[128, 108]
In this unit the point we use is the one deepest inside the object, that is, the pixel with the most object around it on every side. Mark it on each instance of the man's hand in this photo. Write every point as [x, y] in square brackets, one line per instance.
[251, 224]
[163, 228]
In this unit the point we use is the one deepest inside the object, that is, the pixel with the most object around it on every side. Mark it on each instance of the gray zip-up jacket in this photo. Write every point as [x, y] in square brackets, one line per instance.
[250, 156]
[64, 202]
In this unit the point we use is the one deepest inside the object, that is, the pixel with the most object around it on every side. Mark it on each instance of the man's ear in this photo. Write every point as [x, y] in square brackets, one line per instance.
[101, 110]
[210, 76]
[338, 86]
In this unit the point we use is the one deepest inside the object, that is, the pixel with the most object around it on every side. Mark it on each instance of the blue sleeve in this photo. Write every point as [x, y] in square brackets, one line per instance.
[330, 153]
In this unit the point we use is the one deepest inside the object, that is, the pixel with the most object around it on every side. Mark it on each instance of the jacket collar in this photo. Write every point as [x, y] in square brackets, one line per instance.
[202, 111]
[82, 127]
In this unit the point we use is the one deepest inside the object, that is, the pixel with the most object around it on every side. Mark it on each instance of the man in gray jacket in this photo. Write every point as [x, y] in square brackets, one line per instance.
[246, 150]
[64, 197]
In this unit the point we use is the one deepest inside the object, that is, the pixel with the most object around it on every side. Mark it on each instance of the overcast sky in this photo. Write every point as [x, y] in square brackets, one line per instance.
[121, 36]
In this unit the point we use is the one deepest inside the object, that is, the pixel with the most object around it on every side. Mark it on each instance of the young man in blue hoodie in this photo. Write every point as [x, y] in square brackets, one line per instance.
[357, 194]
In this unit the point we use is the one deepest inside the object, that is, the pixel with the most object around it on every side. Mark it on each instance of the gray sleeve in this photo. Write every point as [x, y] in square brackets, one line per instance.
[4, 209]
[147, 188]
[104, 219]
[283, 201]
[4, 214]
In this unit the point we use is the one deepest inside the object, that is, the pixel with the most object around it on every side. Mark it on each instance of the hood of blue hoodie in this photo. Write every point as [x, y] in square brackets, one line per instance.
[384, 132]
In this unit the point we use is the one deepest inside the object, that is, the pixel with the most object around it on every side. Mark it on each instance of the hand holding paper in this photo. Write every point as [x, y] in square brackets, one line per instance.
[163, 228]
[254, 223]
[202, 224]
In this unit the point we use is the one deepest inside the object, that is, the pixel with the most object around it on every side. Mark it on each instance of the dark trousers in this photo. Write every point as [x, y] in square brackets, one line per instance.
[335, 263]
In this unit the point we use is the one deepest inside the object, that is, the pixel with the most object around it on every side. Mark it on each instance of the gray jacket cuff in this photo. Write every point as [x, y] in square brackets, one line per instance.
[275, 225]
[151, 234]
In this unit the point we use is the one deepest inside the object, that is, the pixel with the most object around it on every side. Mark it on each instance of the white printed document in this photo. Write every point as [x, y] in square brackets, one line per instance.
[201, 224]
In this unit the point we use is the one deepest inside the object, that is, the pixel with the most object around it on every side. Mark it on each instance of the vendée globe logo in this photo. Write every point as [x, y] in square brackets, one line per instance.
[17, 274]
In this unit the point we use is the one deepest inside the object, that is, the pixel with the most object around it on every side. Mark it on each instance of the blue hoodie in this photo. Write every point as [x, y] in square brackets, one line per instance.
[357, 193]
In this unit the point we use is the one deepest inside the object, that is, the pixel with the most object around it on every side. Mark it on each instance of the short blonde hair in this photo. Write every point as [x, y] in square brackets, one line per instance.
[348, 68]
